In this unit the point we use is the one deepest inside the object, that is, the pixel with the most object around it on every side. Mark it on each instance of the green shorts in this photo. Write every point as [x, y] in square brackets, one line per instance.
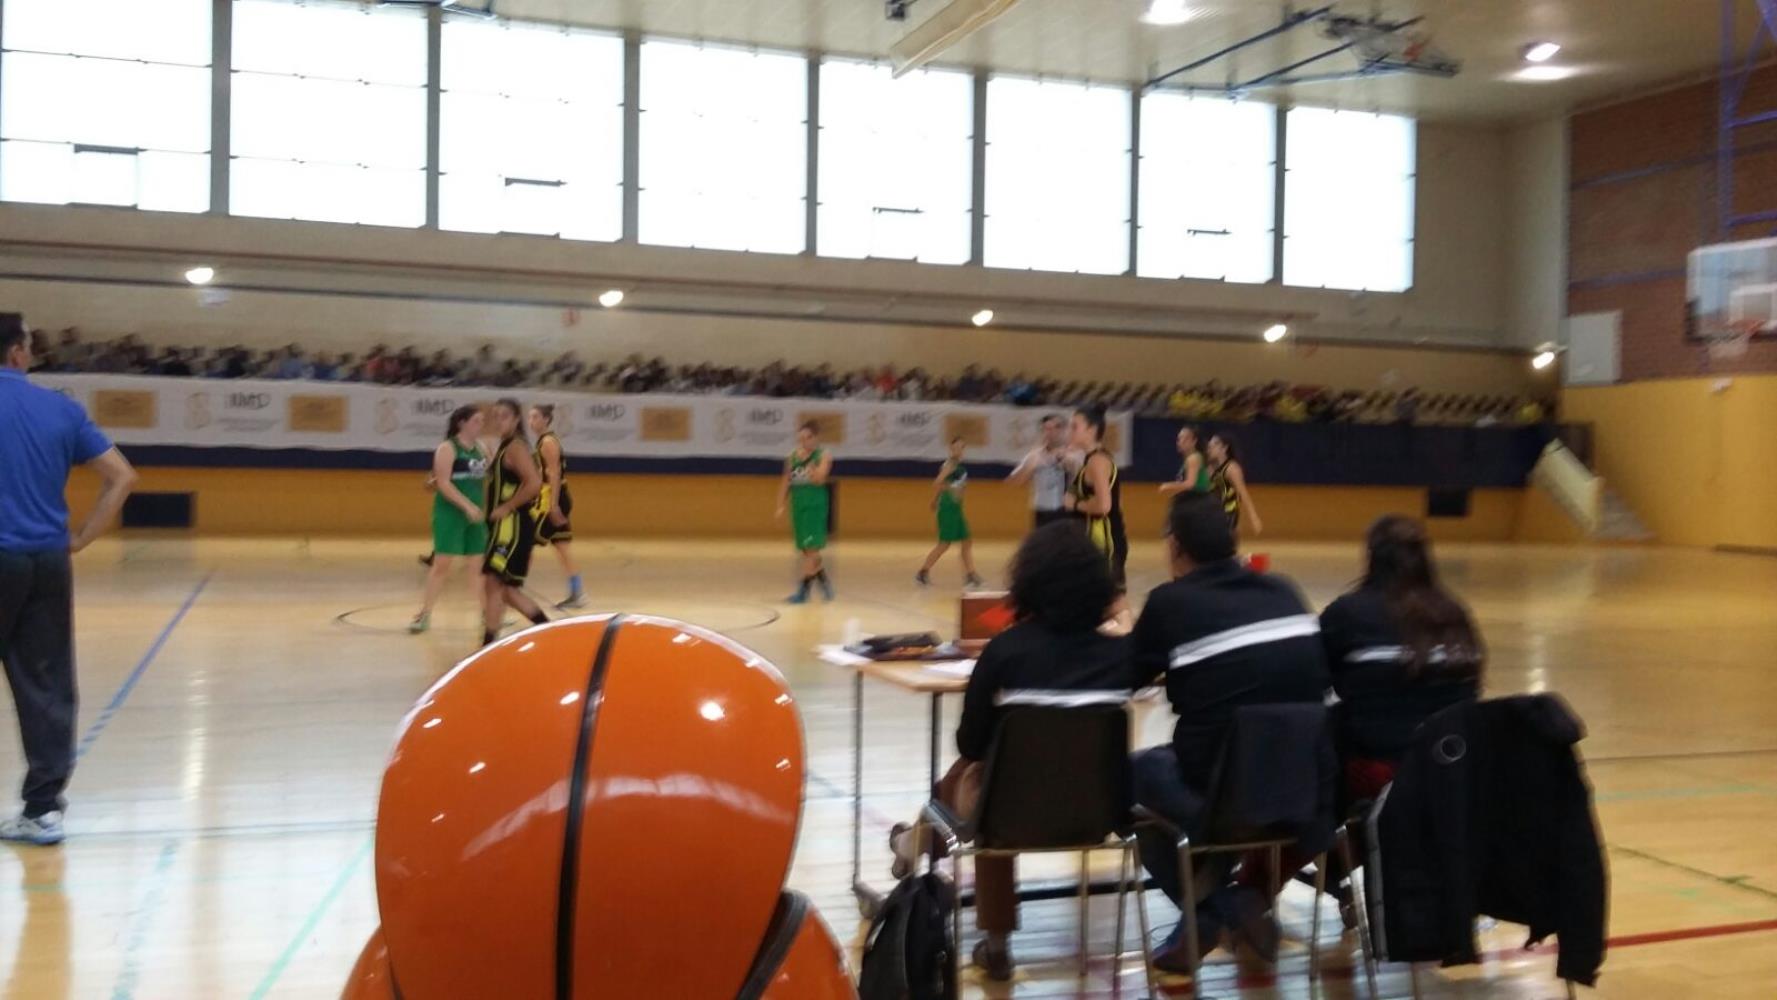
[808, 518]
[952, 525]
[453, 534]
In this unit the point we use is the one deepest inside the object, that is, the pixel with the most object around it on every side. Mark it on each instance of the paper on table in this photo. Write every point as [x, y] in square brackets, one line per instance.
[838, 657]
[954, 668]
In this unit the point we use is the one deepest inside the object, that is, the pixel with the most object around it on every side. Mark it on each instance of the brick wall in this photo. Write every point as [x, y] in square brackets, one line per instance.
[1643, 195]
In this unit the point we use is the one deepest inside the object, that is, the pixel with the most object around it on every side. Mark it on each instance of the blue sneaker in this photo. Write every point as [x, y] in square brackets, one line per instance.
[799, 597]
[826, 587]
[43, 831]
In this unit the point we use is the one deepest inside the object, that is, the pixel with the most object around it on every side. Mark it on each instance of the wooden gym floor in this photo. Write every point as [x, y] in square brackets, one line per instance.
[240, 697]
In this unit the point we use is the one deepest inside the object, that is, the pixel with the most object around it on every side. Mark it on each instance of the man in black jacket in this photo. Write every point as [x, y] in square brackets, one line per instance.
[1224, 637]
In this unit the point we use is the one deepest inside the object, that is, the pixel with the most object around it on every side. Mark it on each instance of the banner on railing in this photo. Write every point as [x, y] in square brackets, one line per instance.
[334, 416]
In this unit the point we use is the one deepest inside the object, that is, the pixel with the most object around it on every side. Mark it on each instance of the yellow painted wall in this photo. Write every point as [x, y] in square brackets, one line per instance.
[1542, 519]
[353, 502]
[1699, 466]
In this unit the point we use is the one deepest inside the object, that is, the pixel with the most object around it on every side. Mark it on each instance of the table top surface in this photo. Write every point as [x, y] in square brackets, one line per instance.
[918, 676]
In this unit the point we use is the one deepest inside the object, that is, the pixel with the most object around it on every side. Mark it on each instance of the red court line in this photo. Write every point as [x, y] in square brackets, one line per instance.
[1652, 937]
[1245, 979]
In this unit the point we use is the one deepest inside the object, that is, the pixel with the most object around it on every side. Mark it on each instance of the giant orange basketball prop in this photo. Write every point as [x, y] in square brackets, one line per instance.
[600, 807]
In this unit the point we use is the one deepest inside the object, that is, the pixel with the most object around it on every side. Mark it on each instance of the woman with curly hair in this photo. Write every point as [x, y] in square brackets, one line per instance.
[1053, 654]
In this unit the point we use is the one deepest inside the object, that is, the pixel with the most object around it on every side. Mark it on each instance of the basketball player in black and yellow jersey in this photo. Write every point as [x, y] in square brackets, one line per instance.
[512, 486]
[555, 503]
[1095, 494]
[1228, 481]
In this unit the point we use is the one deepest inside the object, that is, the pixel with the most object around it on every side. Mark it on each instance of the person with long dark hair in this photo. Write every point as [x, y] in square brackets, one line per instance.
[555, 503]
[1401, 648]
[513, 483]
[1193, 470]
[459, 528]
[1228, 481]
[1054, 653]
[1096, 494]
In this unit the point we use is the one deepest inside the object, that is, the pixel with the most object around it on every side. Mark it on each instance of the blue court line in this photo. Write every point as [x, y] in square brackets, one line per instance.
[276, 972]
[129, 683]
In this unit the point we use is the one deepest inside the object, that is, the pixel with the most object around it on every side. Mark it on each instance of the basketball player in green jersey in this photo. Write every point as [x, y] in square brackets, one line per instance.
[953, 526]
[555, 503]
[512, 485]
[1193, 470]
[803, 492]
[459, 529]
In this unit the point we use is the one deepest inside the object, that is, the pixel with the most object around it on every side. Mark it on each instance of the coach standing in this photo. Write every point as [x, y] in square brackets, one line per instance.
[45, 435]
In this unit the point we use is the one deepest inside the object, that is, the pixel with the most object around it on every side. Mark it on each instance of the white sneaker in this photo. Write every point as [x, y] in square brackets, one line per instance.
[43, 831]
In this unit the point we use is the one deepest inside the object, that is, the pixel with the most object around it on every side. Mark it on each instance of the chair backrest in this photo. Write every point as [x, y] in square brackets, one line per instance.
[1056, 777]
[1277, 776]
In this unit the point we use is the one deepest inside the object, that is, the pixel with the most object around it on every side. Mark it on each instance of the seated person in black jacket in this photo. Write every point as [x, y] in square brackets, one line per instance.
[1224, 637]
[1061, 590]
[1400, 648]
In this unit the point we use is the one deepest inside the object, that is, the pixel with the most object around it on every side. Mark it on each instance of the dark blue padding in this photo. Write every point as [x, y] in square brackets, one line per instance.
[1288, 454]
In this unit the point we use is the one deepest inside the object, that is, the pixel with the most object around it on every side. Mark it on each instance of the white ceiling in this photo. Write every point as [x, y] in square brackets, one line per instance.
[1611, 46]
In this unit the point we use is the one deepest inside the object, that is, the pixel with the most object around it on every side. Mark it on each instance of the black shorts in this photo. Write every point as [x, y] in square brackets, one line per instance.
[1040, 518]
[549, 533]
[509, 544]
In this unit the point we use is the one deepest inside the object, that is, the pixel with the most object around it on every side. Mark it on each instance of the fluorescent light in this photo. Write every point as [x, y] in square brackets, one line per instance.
[982, 318]
[612, 298]
[1544, 74]
[1276, 332]
[1163, 13]
[200, 275]
[1543, 360]
[1540, 52]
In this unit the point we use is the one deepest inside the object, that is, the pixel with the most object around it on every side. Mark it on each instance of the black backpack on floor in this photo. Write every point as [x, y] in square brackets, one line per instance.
[907, 952]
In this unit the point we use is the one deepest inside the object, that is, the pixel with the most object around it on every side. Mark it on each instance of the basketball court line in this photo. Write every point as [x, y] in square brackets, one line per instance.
[1757, 751]
[1731, 881]
[313, 920]
[129, 683]
[142, 920]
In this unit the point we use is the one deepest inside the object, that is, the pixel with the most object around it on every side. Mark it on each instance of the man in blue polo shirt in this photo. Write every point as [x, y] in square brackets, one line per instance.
[44, 435]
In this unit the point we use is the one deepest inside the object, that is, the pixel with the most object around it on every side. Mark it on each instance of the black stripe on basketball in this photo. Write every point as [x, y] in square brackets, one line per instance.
[780, 934]
[569, 886]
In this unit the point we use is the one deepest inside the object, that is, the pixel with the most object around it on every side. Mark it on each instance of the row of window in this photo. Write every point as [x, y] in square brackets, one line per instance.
[108, 102]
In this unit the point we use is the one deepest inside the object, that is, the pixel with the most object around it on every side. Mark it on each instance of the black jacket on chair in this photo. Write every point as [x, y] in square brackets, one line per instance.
[1277, 776]
[1489, 814]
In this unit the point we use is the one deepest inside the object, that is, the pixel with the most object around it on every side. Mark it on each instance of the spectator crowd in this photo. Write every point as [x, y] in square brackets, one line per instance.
[1209, 401]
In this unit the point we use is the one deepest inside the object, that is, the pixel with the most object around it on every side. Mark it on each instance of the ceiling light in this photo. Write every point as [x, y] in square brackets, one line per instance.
[1543, 360]
[612, 298]
[1544, 74]
[1276, 332]
[1163, 13]
[1540, 52]
[200, 275]
[982, 318]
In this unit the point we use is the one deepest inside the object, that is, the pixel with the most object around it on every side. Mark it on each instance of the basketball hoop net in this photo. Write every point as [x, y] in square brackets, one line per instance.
[1731, 342]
